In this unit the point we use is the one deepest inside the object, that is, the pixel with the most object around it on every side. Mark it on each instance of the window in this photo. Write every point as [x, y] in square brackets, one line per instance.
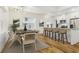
[62, 21]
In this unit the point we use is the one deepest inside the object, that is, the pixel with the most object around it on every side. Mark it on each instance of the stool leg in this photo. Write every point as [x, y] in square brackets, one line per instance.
[45, 32]
[66, 38]
[49, 34]
[58, 37]
[62, 38]
[55, 36]
[52, 34]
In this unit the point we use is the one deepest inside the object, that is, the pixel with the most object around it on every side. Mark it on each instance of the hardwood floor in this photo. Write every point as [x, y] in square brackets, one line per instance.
[58, 47]
[54, 47]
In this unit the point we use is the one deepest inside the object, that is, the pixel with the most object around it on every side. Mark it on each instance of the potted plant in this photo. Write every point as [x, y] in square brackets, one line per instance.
[15, 25]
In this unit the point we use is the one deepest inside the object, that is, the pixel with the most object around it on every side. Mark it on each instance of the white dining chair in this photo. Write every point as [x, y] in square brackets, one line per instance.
[28, 38]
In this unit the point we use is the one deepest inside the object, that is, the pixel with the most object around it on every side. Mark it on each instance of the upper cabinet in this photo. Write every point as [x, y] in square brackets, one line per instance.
[74, 23]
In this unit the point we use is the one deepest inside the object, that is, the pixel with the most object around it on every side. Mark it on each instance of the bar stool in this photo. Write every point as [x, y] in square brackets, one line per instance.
[63, 35]
[55, 31]
[50, 31]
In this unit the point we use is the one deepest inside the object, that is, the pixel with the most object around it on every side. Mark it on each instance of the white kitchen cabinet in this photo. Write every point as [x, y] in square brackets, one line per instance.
[73, 36]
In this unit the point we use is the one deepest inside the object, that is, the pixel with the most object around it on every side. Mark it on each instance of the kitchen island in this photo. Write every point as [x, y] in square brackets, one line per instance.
[73, 36]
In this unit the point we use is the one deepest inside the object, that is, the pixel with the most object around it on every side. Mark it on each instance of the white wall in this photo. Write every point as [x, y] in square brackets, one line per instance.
[4, 18]
[33, 18]
[50, 20]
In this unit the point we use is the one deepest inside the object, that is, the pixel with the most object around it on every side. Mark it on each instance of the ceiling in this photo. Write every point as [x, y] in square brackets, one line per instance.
[53, 10]
[45, 9]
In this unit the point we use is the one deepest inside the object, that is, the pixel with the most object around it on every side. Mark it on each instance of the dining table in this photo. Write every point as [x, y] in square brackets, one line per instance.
[19, 34]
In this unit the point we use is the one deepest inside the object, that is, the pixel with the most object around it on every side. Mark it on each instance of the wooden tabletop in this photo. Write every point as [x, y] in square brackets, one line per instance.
[28, 31]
